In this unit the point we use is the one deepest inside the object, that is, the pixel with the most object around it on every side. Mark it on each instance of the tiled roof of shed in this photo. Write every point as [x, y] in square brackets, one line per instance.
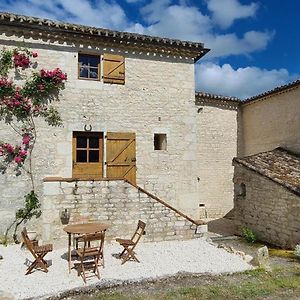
[273, 91]
[210, 96]
[124, 37]
[279, 165]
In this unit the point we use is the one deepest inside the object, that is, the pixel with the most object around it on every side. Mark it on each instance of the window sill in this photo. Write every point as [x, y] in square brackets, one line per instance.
[72, 179]
[88, 79]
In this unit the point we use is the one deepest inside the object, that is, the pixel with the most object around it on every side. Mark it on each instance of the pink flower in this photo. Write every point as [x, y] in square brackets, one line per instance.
[34, 54]
[18, 159]
[23, 153]
[9, 148]
[17, 103]
[26, 139]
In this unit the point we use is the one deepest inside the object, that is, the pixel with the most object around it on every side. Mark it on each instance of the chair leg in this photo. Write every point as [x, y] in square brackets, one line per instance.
[96, 270]
[130, 254]
[122, 253]
[83, 271]
[39, 261]
[42, 263]
[126, 255]
[31, 267]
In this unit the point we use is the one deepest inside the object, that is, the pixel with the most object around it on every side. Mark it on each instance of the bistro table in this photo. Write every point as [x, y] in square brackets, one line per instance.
[85, 228]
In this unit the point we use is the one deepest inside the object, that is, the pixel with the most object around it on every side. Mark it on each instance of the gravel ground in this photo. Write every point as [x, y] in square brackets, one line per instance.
[157, 260]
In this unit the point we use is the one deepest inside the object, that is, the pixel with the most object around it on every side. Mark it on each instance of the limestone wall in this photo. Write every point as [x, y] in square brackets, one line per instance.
[269, 209]
[116, 203]
[217, 146]
[158, 97]
[271, 123]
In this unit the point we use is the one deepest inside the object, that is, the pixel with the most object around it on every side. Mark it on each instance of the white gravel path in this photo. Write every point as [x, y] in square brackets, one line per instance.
[157, 260]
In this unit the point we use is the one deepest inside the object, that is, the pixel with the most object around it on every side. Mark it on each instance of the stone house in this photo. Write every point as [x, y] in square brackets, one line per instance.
[267, 196]
[129, 112]
[266, 175]
[137, 141]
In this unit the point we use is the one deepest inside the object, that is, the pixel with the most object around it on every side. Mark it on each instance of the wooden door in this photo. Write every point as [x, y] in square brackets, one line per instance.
[121, 156]
[87, 155]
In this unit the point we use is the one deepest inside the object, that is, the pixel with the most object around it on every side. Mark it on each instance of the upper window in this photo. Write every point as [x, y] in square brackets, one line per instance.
[89, 66]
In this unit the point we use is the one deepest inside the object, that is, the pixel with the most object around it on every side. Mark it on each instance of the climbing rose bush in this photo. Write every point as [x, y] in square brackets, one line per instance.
[20, 105]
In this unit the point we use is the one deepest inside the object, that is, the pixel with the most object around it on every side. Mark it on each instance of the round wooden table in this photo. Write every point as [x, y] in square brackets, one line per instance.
[85, 228]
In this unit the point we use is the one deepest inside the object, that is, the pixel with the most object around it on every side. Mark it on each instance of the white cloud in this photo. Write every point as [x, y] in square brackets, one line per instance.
[225, 12]
[100, 13]
[189, 23]
[155, 10]
[229, 44]
[180, 22]
[241, 83]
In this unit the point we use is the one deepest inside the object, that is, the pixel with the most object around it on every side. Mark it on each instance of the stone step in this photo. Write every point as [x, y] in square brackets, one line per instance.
[220, 238]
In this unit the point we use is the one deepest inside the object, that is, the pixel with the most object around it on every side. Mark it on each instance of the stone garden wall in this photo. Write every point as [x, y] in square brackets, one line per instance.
[116, 203]
[267, 208]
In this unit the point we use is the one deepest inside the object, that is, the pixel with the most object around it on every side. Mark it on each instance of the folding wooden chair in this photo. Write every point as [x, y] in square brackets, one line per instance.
[129, 245]
[91, 256]
[38, 253]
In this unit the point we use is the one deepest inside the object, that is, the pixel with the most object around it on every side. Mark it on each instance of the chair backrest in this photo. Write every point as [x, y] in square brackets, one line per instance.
[88, 238]
[139, 232]
[28, 242]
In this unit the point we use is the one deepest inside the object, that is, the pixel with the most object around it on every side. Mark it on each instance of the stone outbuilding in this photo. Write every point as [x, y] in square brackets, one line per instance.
[267, 196]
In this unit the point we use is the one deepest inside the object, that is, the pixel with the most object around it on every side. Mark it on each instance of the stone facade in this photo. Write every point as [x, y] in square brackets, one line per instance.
[217, 145]
[156, 98]
[270, 122]
[269, 209]
[116, 203]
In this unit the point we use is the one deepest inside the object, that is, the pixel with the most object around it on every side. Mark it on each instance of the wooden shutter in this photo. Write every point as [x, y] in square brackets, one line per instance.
[113, 69]
[121, 156]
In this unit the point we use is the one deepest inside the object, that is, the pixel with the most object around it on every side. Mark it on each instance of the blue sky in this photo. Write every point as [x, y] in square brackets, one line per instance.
[254, 43]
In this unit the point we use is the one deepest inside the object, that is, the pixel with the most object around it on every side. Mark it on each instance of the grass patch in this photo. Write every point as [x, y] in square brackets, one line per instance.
[282, 253]
[254, 284]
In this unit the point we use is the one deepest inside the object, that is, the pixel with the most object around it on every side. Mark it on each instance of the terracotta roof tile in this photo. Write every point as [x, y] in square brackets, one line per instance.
[210, 96]
[276, 90]
[195, 47]
[279, 165]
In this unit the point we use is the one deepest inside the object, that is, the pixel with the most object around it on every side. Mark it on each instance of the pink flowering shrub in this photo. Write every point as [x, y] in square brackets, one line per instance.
[19, 106]
[21, 58]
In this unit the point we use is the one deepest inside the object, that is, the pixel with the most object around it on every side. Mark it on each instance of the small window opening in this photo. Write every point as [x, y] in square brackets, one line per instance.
[241, 190]
[160, 141]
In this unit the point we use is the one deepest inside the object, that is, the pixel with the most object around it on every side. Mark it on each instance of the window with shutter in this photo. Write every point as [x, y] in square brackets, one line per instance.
[113, 69]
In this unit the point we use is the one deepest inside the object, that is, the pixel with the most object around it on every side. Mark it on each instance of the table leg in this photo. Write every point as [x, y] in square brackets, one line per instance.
[69, 252]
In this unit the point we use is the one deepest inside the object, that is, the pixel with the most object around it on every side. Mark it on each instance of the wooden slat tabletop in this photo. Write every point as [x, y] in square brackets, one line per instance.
[85, 228]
